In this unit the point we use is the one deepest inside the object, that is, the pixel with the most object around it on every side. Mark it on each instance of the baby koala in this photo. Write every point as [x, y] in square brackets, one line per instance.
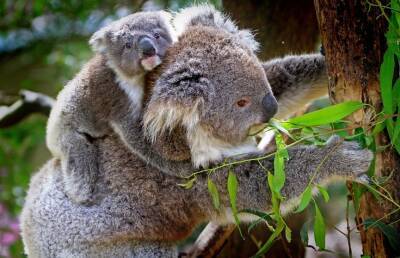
[105, 96]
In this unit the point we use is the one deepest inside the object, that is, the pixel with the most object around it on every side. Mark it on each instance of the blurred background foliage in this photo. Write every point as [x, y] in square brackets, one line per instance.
[43, 43]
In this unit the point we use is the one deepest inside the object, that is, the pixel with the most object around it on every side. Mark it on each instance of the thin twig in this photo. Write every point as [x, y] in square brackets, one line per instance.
[348, 235]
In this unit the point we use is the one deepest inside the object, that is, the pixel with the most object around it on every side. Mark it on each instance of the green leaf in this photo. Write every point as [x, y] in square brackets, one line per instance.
[358, 191]
[260, 214]
[279, 172]
[212, 189]
[305, 199]
[232, 191]
[279, 163]
[304, 233]
[396, 94]
[188, 184]
[263, 217]
[327, 115]
[396, 103]
[288, 234]
[281, 146]
[319, 228]
[389, 231]
[280, 127]
[324, 193]
[275, 196]
[378, 128]
[386, 79]
[265, 247]
[254, 224]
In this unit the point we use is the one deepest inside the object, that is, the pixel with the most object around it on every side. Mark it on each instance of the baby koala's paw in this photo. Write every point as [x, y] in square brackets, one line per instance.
[348, 157]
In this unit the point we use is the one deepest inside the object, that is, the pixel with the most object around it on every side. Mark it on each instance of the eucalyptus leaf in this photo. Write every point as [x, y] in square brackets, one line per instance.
[288, 234]
[262, 215]
[232, 191]
[305, 199]
[389, 231]
[188, 184]
[326, 115]
[304, 233]
[324, 193]
[267, 245]
[212, 189]
[386, 79]
[319, 228]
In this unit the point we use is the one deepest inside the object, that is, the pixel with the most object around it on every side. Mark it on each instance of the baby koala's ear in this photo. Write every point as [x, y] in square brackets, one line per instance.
[99, 39]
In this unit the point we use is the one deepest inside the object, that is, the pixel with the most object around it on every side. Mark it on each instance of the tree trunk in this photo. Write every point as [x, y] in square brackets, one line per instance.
[353, 37]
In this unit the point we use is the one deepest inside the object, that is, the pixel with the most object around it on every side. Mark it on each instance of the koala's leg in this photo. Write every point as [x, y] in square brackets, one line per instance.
[337, 158]
[79, 166]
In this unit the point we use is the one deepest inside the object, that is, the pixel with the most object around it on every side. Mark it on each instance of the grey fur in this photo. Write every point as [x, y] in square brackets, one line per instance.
[85, 109]
[296, 80]
[138, 209]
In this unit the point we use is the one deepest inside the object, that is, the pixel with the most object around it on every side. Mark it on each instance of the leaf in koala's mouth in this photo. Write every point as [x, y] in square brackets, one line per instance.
[257, 129]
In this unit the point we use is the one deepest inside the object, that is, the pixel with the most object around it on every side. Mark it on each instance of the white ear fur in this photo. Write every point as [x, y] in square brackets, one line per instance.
[207, 15]
[247, 38]
[98, 41]
[168, 18]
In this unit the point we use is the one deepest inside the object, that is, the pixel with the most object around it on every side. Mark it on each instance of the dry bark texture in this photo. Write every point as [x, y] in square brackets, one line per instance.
[353, 37]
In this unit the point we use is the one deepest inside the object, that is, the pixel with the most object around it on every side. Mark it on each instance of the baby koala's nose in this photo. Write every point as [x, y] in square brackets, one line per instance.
[147, 47]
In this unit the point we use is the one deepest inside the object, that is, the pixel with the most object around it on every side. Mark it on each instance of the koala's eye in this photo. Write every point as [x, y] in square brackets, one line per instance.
[128, 45]
[156, 35]
[244, 102]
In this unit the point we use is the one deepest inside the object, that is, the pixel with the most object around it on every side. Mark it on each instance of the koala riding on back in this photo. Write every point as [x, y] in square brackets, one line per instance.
[105, 94]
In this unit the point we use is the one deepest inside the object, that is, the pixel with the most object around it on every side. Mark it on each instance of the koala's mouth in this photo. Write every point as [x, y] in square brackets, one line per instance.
[149, 63]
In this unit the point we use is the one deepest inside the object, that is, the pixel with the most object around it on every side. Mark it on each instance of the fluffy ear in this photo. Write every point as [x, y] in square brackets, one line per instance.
[177, 99]
[168, 21]
[207, 15]
[99, 39]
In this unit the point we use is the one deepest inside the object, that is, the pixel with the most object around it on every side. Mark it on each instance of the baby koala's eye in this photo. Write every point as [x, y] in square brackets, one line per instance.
[128, 45]
[156, 35]
[243, 102]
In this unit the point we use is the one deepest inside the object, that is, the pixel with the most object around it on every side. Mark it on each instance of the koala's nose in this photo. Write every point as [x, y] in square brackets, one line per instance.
[270, 106]
[147, 47]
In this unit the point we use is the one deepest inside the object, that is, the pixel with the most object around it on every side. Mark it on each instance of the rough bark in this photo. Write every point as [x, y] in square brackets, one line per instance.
[353, 37]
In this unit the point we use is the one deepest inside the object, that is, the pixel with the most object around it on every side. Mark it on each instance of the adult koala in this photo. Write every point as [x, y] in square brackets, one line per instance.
[209, 91]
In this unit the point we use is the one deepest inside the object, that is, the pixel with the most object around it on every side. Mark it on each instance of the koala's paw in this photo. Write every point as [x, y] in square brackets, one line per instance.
[349, 158]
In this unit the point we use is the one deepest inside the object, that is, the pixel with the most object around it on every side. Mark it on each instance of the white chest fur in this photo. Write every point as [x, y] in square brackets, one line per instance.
[133, 87]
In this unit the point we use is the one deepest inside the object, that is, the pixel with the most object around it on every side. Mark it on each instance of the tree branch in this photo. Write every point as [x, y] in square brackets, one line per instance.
[30, 102]
[211, 240]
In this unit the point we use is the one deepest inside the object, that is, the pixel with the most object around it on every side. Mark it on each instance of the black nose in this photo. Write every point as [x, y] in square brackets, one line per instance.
[147, 47]
[270, 106]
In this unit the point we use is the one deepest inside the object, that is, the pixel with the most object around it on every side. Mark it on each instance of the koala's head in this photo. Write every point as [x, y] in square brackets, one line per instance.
[215, 89]
[135, 43]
